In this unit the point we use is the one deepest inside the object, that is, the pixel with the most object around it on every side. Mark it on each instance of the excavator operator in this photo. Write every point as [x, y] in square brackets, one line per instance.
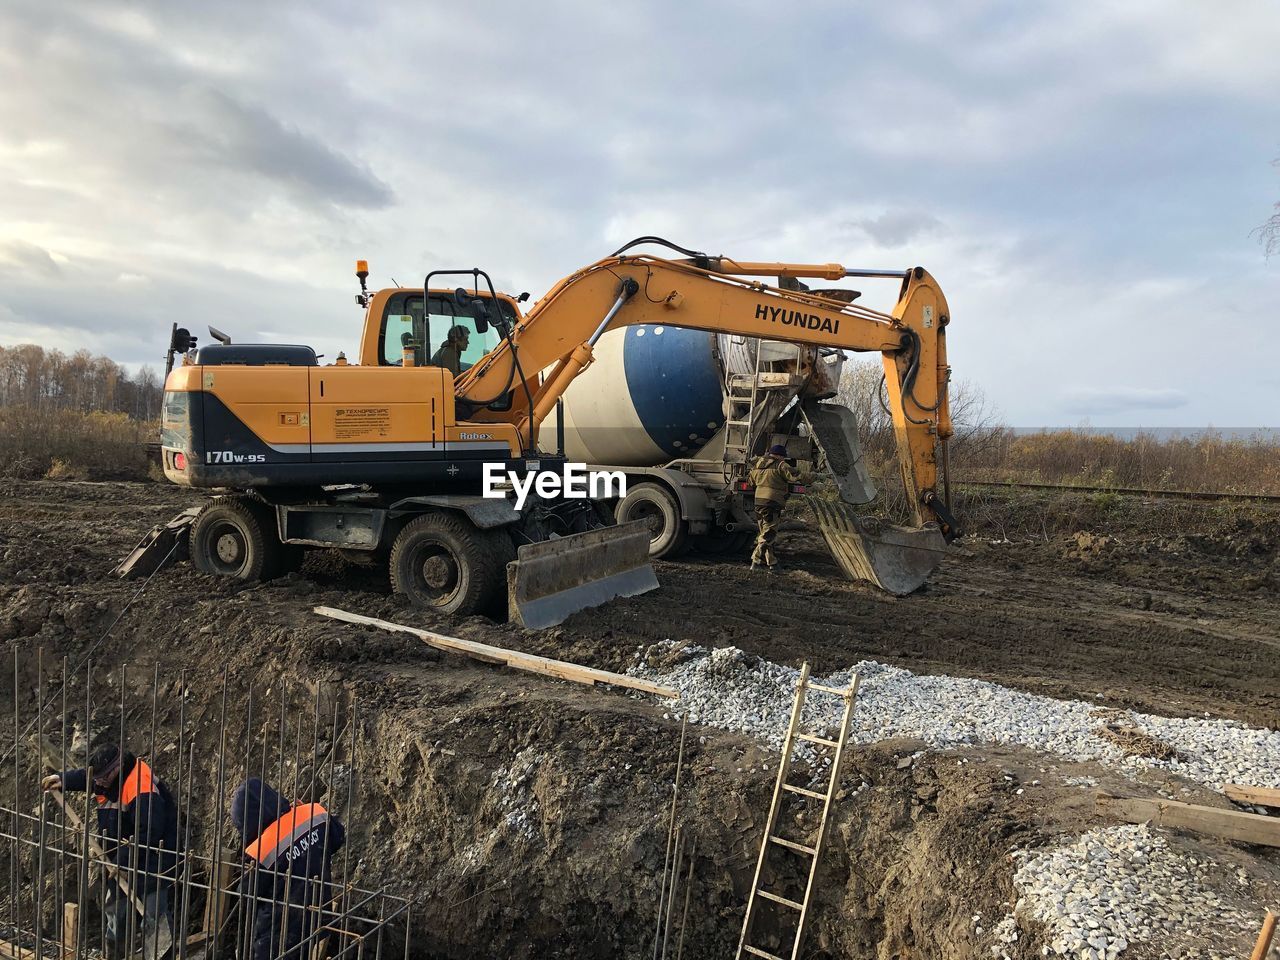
[450, 353]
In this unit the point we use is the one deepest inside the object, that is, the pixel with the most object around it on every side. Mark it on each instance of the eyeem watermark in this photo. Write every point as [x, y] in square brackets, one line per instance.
[574, 482]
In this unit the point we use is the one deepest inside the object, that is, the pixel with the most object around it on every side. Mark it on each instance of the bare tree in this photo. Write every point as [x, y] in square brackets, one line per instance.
[979, 433]
[1269, 233]
[40, 379]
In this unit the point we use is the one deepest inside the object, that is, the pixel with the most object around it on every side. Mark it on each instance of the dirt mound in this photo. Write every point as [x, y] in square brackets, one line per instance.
[529, 815]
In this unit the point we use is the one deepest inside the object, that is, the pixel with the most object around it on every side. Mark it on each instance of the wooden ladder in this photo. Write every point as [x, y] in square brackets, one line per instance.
[803, 686]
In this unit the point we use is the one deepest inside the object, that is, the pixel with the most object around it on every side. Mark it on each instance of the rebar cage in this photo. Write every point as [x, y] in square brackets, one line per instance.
[73, 892]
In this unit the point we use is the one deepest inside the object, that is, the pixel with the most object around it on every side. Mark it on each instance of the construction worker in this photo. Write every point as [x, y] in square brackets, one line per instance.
[772, 477]
[288, 849]
[138, 826]
[450, 353]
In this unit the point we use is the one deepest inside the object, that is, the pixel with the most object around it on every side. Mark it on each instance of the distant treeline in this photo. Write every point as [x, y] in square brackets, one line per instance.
[984, 448]
[40, 379]
[76, 416]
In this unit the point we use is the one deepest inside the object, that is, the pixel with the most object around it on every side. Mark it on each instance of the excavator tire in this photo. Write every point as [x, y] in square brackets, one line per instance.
[443, 562]
[234, 537]
[654, 504]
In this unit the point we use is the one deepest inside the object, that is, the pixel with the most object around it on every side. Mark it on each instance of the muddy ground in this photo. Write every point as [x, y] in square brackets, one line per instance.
[527, 816]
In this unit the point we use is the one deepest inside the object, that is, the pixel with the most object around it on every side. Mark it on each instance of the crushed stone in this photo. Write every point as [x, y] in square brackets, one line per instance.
[732, 690]
[1117, 886]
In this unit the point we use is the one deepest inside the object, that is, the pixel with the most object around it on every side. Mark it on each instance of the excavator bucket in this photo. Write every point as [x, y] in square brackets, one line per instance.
[896, 559]
[550, 580]
[165, 544]
[835, 430]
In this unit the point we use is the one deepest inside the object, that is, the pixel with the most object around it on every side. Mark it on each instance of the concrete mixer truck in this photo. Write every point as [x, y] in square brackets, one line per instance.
[390, 457]
[682, 412]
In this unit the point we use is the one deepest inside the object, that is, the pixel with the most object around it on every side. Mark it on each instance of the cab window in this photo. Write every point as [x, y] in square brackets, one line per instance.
[404, 328]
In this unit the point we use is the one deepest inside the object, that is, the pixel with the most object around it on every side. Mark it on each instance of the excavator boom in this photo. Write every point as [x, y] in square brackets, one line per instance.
[706, 293]
[561, 329]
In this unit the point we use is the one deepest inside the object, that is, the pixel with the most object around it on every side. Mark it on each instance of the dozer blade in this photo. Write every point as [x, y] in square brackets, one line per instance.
[896, 559]
[164, 545]
[555, 578]
[835, 430]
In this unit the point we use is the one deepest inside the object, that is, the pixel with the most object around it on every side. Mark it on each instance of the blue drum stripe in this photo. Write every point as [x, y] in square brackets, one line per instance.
[674, 383]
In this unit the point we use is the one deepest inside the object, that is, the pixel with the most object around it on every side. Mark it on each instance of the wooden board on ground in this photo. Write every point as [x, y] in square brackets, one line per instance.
[11, 951]
[1227, 824]
[559, 669]
[1258, 796]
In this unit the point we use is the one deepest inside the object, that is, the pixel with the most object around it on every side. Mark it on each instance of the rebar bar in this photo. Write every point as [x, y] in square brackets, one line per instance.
[688, 889]
[671, 895]
[671, 823]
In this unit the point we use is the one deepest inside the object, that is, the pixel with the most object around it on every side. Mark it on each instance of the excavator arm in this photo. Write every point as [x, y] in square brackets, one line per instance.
[726, 296]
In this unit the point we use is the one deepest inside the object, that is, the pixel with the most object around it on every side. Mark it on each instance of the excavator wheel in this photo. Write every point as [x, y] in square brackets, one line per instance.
[443, 562]
[235, 537]
[654, 504]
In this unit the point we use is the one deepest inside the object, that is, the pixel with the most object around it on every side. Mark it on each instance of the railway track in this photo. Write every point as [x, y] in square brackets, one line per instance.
[1126, 491]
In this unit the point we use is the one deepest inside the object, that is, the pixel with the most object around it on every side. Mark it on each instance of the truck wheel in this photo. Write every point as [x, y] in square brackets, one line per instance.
[443, 562]
[654, 504]
[232, 537]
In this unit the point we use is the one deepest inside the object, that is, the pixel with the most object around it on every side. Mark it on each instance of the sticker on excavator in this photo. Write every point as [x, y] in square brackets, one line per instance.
[896, 559]
[555, 578]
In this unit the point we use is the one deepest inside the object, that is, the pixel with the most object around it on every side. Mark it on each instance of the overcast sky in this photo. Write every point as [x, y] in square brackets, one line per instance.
[1081, 177]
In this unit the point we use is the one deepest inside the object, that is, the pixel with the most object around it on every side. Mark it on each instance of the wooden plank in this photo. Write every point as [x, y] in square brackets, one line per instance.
[559, 669]
[112, 870]
[1258, 796]
[1263, 945]
[1227, 824]
[70, 928]
[217, 905]
[11, 951]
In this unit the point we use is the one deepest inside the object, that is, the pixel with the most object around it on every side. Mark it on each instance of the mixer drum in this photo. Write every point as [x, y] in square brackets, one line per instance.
[653, 394]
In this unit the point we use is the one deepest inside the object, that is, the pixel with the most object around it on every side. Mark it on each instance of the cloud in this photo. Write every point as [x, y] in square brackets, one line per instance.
[895, 228]
[222, 134]
[1113, 401]
[1081, 178]
[28, 257]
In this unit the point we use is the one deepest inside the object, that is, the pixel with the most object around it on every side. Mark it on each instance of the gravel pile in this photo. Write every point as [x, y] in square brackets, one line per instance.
[1119, 886]
[729, 689]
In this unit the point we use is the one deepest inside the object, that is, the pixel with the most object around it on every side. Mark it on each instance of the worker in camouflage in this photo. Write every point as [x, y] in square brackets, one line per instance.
[772, 477]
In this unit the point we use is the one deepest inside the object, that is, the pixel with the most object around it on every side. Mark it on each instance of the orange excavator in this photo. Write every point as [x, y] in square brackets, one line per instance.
[393, 458]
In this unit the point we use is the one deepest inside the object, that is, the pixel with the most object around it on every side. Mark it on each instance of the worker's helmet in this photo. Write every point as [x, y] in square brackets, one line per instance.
[778, 450]
[110, 764]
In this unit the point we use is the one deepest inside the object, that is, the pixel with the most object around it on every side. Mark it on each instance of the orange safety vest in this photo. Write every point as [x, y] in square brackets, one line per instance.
[139, 781]
[281, 835]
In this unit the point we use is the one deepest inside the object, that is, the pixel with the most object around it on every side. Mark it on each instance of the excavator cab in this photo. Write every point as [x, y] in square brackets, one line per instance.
[409, 331]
